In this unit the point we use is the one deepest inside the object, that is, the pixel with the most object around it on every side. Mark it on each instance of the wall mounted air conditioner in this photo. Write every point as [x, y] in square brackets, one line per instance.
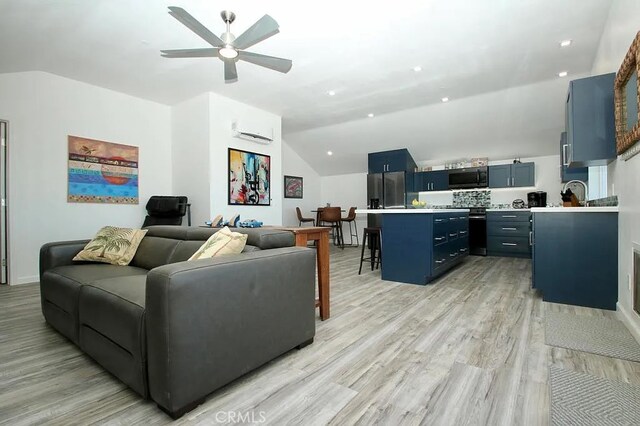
[252, 132]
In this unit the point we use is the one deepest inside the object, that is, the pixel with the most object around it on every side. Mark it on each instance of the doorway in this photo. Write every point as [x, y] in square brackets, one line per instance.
[4, 134]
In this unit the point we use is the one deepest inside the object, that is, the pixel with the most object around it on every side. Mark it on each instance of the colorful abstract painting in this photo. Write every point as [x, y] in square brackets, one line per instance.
[102, 172]
[292, 187]
[249, 178]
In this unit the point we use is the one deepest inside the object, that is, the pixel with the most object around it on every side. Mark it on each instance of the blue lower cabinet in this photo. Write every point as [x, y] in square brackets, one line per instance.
[575, 258]
[417, 248]
[509, 233]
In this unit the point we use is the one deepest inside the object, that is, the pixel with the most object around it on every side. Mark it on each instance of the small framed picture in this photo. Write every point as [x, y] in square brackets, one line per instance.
[292, 187]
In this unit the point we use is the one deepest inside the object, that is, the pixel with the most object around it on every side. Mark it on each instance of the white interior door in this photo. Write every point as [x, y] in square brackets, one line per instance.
[3, 201]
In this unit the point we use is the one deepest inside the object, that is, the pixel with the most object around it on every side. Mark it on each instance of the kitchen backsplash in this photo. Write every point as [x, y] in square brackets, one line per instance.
[472, 198]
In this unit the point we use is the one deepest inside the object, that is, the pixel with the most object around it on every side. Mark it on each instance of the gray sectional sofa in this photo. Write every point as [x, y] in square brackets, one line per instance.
[176, 330]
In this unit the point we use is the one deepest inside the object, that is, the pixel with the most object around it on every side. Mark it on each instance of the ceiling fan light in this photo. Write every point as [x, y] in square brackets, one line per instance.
[228, 52]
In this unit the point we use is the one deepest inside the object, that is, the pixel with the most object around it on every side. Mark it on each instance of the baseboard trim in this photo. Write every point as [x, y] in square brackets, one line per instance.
[26, 280]
[630, 320]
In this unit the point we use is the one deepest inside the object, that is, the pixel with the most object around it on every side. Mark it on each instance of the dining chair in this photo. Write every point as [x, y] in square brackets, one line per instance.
[351, 218]
[332, 216]
[302, 219]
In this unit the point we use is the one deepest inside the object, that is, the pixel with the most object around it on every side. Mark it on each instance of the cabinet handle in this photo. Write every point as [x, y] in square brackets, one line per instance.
[462, 250]
[440, 238]
[453, 234]
[509, 229]
[439, 220]
[530, 238]
[508, 180]
[509, 244]
[431, 186]
[565, 159]
[463, 232]
[509, 216]
[453, 254]
[513, 181]
[453, 218]
[439, 261]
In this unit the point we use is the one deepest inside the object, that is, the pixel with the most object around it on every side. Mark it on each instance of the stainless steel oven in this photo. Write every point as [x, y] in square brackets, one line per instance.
[478, 231]
[475, 177]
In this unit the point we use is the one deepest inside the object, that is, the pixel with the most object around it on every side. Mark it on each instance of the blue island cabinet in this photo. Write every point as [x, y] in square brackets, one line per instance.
[418, 247]
[575, 258]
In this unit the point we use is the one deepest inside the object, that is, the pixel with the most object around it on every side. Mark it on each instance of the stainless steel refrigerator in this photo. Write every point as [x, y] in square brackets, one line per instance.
[389, 189]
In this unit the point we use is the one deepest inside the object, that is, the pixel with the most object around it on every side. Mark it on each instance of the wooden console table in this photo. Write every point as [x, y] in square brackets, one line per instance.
[321, 235]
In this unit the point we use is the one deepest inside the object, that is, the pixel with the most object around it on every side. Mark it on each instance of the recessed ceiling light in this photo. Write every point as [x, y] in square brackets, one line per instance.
[562, 74]
[331, 93]
[370, 115]
[329, 152]
[417, 68]
[445, 99]
[566, 43]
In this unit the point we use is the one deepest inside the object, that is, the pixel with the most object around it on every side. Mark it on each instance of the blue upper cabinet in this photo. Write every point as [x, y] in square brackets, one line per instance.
[512, 175]
[590, 123]
[500, 176]
[523, 174]
[432, 181]
[566, 173]
[398, 160]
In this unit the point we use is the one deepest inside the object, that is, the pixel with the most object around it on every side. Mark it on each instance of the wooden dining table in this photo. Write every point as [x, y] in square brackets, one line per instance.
[318, 211]
[320, 234]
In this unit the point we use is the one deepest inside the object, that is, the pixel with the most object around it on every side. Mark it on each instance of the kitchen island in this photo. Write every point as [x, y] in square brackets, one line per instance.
[575, 255]
[419, 245]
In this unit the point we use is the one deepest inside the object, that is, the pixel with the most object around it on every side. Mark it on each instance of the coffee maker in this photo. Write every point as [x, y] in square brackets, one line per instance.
[537, 199]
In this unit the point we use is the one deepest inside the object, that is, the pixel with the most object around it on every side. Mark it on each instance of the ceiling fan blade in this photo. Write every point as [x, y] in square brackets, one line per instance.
[264, 28]
[194, 25]
[271, 62]
[190, 53]
[230, 72]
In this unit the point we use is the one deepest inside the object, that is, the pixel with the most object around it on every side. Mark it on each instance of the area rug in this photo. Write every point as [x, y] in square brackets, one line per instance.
[582, 399]
[596, 335]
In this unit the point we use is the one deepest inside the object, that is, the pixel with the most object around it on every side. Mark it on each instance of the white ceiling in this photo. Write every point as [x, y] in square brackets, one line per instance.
[478, 53]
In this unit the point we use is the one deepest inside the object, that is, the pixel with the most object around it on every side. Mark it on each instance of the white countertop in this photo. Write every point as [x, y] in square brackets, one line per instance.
[508, 210]
[613, 209]
[413, 211]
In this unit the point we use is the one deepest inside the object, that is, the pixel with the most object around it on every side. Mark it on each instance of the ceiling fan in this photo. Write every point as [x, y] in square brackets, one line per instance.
[227, 47]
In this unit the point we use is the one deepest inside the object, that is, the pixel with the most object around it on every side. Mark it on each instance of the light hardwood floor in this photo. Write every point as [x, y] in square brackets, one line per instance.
[468, 349]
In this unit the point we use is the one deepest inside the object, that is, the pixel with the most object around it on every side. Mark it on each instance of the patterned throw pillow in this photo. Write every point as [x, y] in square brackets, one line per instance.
[113, 245]
[222, 242]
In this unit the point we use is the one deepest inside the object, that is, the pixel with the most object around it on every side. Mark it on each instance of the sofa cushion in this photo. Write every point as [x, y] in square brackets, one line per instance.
[112, 245]
[263, 238]
[60, 288]
[154, 252]
[114, 309]
[221, 243]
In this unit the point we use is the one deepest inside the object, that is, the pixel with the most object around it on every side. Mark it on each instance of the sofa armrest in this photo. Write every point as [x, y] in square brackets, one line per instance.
[59, 254]
[210, 321]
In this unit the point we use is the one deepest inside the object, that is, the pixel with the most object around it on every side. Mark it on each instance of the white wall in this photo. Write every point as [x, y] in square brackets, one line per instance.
[190, 154]
[222, 112]
[43, 109]
[620, 30]
[294, 165]
[547, 179]
[346, 191]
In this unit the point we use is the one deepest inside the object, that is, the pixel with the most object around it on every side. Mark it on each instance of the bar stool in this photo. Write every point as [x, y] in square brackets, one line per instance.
[375, 237]
[332, 216]
[351, 217]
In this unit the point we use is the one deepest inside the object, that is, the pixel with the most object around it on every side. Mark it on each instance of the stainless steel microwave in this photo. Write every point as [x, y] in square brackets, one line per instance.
[474, 177]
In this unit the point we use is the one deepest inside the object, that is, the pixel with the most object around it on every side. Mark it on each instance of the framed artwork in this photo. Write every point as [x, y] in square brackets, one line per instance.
[627, 101]
[249, 178]
[102, 172]
[292, 187]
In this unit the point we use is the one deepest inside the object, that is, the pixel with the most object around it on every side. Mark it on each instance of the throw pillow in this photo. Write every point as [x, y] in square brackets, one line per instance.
[222, 242]
[113, 245]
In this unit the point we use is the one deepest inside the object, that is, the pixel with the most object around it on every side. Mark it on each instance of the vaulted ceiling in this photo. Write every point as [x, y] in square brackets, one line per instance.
[496, 60]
